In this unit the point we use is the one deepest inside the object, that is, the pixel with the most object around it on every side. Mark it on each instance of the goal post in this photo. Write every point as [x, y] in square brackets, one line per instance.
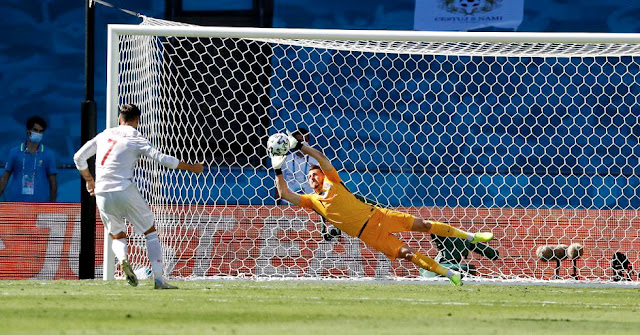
[533, 136]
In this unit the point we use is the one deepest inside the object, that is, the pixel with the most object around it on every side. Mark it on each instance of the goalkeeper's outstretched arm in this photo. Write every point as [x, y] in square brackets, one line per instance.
[284, 192]
[324, 162]
[278, 161]
[281, 184]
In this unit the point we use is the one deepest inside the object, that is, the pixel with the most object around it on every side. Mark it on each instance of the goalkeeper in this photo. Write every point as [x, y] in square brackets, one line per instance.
[374, 225]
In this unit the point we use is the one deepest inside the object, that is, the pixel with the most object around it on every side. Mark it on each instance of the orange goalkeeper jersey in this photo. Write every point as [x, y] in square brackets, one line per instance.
[339, 206]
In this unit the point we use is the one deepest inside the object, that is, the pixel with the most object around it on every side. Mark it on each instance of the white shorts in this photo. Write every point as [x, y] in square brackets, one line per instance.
[116, 206]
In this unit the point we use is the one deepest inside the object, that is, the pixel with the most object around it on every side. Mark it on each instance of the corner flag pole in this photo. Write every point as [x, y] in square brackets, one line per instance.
[88, 130]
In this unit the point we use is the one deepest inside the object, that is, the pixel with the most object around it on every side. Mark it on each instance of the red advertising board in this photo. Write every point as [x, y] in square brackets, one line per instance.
[41, 241]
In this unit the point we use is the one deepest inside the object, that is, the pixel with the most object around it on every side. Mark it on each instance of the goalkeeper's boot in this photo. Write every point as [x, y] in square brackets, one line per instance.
[482, 237]
[128, 272]
[456, 279]
[162, 285]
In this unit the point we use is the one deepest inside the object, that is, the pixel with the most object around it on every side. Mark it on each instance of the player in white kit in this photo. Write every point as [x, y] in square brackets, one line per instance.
[117, 151]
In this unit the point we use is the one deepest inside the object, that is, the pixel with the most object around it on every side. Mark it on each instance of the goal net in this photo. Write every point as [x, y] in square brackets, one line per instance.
[531, 136]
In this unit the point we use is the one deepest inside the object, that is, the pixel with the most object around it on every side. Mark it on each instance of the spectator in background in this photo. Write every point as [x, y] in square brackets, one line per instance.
[297, 165]
[30, 173]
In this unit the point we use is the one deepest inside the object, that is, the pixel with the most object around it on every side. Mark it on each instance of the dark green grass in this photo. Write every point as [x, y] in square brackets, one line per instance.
[249, 307]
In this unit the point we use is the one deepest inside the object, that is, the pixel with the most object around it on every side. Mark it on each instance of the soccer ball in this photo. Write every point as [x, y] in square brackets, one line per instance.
[278, 144]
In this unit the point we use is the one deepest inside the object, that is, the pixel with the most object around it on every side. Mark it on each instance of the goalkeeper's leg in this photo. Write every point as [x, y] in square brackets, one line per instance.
[429, 264]
[443, 229]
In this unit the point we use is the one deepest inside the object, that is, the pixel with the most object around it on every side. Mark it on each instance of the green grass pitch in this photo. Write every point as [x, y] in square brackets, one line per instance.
[298, 307]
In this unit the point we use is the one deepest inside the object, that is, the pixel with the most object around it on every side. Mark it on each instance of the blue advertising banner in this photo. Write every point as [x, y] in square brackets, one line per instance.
[467, 14]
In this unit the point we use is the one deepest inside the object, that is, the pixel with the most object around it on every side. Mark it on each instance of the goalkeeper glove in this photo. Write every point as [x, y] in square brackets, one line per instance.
[277, 162]
[294, 144]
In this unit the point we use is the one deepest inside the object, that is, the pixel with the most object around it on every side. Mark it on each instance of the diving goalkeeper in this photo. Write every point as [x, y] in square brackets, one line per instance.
[374, 225]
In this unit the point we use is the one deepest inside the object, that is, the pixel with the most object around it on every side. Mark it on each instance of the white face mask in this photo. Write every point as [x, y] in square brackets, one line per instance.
[35, 137]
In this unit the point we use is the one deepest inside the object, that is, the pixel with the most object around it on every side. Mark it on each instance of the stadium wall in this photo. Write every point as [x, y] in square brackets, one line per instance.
[41, 241]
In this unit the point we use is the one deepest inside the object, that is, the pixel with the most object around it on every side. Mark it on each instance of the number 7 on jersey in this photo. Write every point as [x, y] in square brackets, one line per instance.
[113, 142]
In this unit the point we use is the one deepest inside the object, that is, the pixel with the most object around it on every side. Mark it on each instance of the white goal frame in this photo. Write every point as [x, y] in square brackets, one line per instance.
[589, 42]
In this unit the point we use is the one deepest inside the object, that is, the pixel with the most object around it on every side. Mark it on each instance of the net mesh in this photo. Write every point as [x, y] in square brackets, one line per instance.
[537, 142]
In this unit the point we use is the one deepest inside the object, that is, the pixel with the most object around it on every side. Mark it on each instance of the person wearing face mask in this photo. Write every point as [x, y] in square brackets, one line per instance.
[30, 172]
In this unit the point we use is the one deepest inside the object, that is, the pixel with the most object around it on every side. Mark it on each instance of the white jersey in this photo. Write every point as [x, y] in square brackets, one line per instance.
[117, 151]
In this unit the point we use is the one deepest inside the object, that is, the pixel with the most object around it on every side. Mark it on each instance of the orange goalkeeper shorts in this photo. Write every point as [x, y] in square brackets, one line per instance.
[378, 233]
